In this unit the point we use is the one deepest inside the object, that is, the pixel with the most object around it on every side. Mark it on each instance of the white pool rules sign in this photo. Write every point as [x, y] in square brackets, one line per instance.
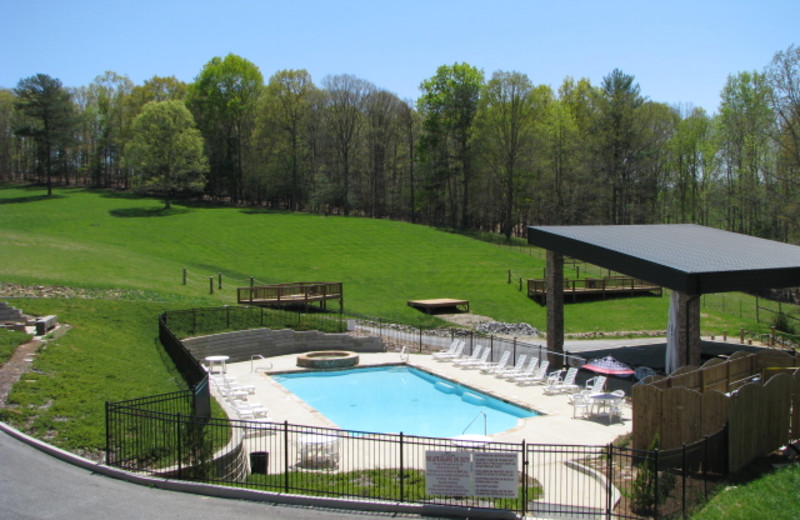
[465, 473]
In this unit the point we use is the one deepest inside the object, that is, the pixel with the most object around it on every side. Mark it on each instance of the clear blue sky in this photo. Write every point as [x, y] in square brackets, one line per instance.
[679, 51]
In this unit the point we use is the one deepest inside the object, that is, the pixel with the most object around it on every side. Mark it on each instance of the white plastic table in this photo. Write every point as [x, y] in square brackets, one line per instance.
[471, 441]
[218, 362]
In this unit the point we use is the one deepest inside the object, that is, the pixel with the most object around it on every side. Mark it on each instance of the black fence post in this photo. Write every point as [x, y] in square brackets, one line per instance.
[524, 478]
[402, 472]
[108, 434]
[655, 486]
[609, 477]
[705, 468]
[178, 445]
[683, 484]
[286, 456]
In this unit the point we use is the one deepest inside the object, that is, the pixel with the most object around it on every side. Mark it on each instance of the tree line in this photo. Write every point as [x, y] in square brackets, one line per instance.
[471, 153]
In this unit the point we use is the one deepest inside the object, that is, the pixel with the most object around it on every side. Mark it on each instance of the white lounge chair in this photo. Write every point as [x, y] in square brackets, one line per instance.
[464, 360]
[492, 368]
[527, 371]
[560, 386]
[539, 377]
[454, 352]
[518, 367]
[480, 362]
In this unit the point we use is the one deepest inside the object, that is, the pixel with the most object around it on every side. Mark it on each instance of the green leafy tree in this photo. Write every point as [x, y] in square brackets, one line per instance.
[344, 117]
[283, 128]
[617, 147]
[166, 151]
[449, 104]
[746, 123]
[507, 122]
[223, 100]
[6, 134]
[51, 120]
[783, 76]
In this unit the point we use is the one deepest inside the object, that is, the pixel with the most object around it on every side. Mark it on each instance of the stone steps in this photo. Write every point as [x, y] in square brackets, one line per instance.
[9, 314]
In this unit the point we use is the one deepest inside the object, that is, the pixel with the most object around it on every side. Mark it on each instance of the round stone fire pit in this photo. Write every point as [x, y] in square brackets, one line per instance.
[327, 359]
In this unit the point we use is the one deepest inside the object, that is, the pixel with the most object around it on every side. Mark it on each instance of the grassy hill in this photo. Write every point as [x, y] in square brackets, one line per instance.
[106, 240]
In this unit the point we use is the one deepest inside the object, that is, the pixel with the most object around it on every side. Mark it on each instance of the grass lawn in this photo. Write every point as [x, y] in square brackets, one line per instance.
[111, 353]
[771, 495]
[104, 240]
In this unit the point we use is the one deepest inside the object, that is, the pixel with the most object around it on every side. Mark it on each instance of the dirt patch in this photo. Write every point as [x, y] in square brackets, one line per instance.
[16, 366]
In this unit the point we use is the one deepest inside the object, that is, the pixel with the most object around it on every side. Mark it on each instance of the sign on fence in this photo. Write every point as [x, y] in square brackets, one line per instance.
[463, 473]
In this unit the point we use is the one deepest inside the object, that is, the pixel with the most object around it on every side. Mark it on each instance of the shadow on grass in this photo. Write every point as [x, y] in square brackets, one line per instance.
[30, 198]
[147, 212]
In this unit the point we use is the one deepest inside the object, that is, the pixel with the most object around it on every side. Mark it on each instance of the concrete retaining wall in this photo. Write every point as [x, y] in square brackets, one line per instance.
[241, 345]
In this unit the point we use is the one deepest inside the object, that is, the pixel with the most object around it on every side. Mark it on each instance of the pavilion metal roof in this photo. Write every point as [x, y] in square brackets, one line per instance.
[689, 258]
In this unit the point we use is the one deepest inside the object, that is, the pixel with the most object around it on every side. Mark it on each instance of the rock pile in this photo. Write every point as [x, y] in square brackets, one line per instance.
[508, 329]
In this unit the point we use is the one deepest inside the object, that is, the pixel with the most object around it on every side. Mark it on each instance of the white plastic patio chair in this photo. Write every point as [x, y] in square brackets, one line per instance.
[595, 385]
[580, 404]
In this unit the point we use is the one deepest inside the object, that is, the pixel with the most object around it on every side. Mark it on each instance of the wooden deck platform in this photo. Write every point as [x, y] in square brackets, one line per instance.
[430, 305]
[292, 294]
[614, 286]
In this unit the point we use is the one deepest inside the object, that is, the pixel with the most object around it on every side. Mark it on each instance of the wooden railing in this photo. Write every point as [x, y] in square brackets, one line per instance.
[603, 287]
[295, 293]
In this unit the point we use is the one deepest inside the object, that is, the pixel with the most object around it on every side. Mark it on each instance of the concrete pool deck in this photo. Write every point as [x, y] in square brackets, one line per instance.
[554, 426]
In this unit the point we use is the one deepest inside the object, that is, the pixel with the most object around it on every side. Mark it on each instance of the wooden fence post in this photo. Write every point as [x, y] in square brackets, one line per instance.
[210, 285]
[184, 276]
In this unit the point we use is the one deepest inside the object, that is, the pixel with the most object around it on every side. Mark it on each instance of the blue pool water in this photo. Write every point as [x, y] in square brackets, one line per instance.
[401, 399]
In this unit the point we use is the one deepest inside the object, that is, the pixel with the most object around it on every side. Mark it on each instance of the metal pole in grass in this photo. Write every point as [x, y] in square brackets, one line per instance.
[184, 276]
[210, 285]
[219, 275]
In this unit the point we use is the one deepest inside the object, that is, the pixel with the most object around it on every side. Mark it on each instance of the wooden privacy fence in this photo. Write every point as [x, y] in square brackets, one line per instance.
[755, 396]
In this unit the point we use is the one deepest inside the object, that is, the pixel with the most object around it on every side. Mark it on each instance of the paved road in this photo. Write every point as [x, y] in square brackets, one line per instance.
[37, 486]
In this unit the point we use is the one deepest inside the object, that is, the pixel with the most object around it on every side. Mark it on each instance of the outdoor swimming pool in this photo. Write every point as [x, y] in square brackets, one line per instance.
[401, 399]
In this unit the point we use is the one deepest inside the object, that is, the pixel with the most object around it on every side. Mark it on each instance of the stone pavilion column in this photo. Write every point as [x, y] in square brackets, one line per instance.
[688, 330]
[554, 282]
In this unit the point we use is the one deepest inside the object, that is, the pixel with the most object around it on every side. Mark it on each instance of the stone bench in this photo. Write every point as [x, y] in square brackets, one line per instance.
[45, 324]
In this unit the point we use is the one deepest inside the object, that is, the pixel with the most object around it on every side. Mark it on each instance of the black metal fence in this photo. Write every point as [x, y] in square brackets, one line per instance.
[159, 435]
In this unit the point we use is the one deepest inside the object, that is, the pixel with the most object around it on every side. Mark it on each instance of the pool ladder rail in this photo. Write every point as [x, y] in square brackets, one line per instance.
[263, 368]
[485, 423]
